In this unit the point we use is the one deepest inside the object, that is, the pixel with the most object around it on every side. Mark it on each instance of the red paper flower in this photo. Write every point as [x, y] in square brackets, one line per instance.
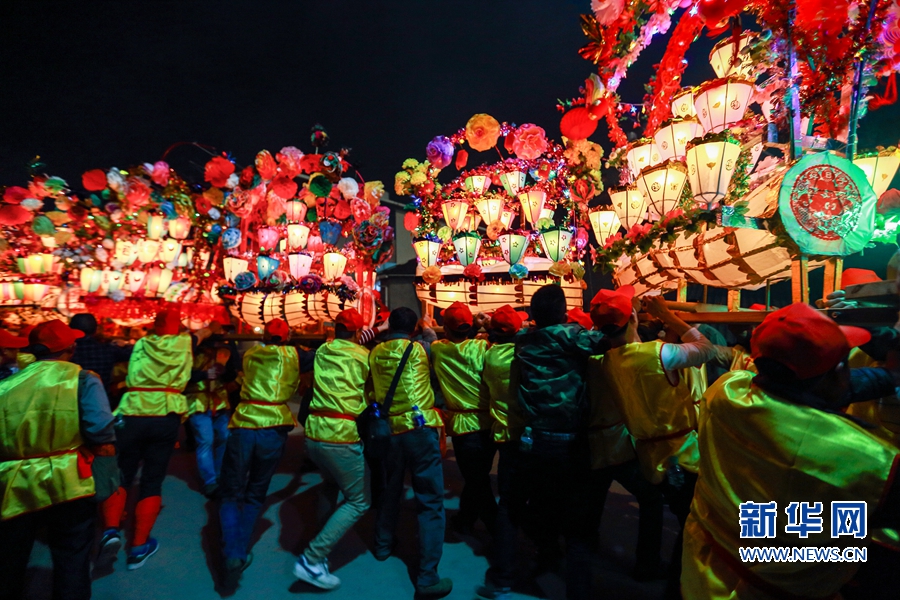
[202, 204]
[160, 174]
[218, 170]
[15, 194]
[612, 240]
[247, 175]
[310, 163]
[78, 213]
[94, 180]
[289, 160]
[473, 272]
[265, 165]
[530, 141]
[284, 187]
[638, 231]
[13, 214]
[342, 210]
[137, 193]
[411, 221]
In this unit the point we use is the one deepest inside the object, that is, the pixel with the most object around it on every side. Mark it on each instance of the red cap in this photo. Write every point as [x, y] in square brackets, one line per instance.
[757, 306]
[576, 315]
[54, 335]
[168, 322]
[350, 318]
[857, 276]
[457, 317]
[505, 320]
[804, 340]
[8, 340]
[612, 307]
[278, 328]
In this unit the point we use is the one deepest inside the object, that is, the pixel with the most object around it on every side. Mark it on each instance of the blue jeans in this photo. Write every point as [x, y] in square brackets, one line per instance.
[251, 458]
[211, 434]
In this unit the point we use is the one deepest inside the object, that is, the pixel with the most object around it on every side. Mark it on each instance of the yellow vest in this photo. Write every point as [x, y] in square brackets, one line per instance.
[23, 359]
[205, 395]
[884, 412]
[756, 448]
[340, 373]
[459, 367]
[497, 362]
[271, 378]
[39, 439]
[741, 360]
[662, 417]
[610, 442]
[162, 365]
[413, 389]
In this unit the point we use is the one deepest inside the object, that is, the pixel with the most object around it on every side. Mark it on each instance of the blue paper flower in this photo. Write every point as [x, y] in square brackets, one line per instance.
[245, 280]
[214, 232]
[330, 231]
[518, 271]
[168, 209]
[232, 220]
[231, 238]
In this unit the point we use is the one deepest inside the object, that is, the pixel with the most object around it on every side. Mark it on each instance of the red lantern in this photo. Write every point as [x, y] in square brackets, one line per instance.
[578, 124]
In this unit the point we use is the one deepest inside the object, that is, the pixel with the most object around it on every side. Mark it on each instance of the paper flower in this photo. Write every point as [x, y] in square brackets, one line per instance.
[368, 235]
[411, 221]
[233, 181]
[560, 269]
[482, 132]
[473, 272]
[607, 11]
[530, 141]
[495, 229]
[31, 204]
[381, 216]
[373, 192]
[43, 225]
[231, 238]
[331, 163]
[245, 280]
[284, 187]
[160, 173]
[218, 170]
[94, 180]
[117, 295]
[361, 210]
[137, 192]
[432, 275]
[330, 231]
[445, 233]
[246, 178]
[311, 284]
[518, 271]
[348, 188]
[578, 270]
[319, 185]
[265, 165]
[115, 180]
[439, 151]
[289, 161]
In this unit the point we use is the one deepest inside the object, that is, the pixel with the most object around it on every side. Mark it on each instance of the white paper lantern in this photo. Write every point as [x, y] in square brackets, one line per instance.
[136, 280]
[604, 223]
[333, 264]
[169, 251]
[532, 203]
[91, 279]
[630, 205]
[879, 169]
[427, 251]
[662, 185]
[158, 281]
[155, 226]
[722, 102]
[555, 243]
[467, 246]
[298, 236]
[147, 250]
[722, 53]
[512, 181]
[454, 213]
[490, 209]
[683, 103]
[299, 265]
[513, 246]
[179, 228]
[477, 185]
[711, 166]
[642, 154]
[672, 138]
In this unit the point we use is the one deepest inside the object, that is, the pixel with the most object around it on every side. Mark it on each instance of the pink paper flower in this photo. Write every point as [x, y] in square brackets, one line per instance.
[530, 141]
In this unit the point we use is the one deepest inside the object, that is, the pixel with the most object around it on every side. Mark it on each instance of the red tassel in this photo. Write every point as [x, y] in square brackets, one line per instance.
[145, 514]
[113, 509]
[889, 97]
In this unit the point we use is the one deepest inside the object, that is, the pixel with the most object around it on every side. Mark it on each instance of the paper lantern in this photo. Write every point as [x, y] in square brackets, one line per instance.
[477, 185]
[471, 222]
[722, 102]
[722, 53]
[7, 291]
[147, 250]
[91, 279]
[672, 138]
[532, 204]
[333, 264]
[19, 289]
[179, 228]
[604, 223]
[642, 154]
[298, 236]
[299, 264]
[630, 205]
[34, 292]
[555, 243]
[512, 181]
[265, 266]
[295, 211]
[136, 280]
[158, 281]
[513, 246]
[112, 281]
[683, 104]
[427, 251]
[126, 252]
[37, 264]
[186, 258]
[467, 245]
[233, 266]
[710, 168]
[455, 212]
[169, 251]
[506, 218]
[879, 169]
[268, 238]
[547, 213]
[48, 241]
[661, 186]
[155, 225]
[490, 209]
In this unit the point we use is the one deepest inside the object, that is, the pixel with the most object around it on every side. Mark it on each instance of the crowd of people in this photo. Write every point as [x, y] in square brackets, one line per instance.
[563, 402]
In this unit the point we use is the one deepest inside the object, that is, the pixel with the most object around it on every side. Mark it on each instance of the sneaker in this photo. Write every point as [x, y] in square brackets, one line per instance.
[490, 592]
[139, 554]
[382, 554]
[438, 590]
[317, 575]
[110, 544]
[233, 569]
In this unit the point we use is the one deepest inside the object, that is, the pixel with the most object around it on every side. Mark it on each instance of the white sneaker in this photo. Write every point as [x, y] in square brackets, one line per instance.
[316, 575]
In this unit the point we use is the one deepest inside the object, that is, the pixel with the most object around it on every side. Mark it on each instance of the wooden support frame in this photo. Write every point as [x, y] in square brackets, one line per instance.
[800, 280]
[834, 269]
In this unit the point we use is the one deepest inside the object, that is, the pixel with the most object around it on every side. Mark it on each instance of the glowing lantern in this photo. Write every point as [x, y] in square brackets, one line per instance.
[683, 103]
[490, 209]
[233, 266]
[155, 225]
[604, 223]
[506, 217]
[179, 228]
[513, 247]
[532, 204]
[722, 102]
[547, 213]
[34, 292]
[556, 243]
[477, 185]
[126, 252]
[298, 236]
[7, 291]
[630, 205]
[268, 238]
[662, 185]
[265, 266]
[674, 136]
[722, 54]
[427, 251]
[112, 281]
[19, 289]
[295, 211]
[467, 245]
[48, 241]
[299, 264]
[879, 169]
[642, 154]
[710, 168]
[158, 281]
[455, 213]
[169, 251]
[91, 279]
[136, 280]
[333, 264]
[512, 181]
[471, 222]
[36, 264]
[147, 250]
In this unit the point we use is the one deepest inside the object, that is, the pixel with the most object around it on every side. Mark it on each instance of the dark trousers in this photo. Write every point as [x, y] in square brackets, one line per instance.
[475, 458]
[553, 476]
[419, 452]
[251, 458]
[70, 531]
[650, 504]
[147, 440]
[679, 499]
